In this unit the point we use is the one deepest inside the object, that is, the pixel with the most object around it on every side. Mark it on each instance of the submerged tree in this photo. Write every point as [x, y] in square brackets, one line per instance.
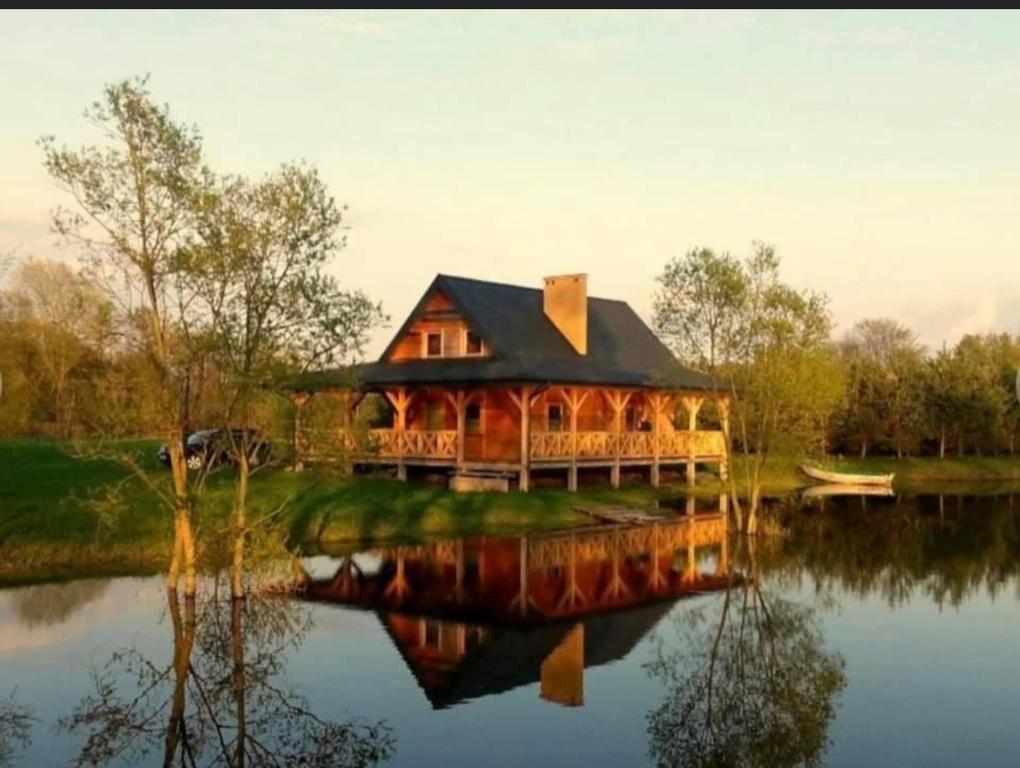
[221, 700]
[131, 216]
[16, 721]
[748, 683]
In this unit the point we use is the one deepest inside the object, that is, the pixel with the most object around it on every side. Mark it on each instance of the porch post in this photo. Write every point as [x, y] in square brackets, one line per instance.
[574, 403]
[572, 471]
[656, 401]
[459, 402]
[400, 401]
[617, 401]
[524, 403]
[692, 404]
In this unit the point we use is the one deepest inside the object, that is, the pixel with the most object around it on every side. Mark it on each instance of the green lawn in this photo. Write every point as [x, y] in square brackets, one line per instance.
[50, 525]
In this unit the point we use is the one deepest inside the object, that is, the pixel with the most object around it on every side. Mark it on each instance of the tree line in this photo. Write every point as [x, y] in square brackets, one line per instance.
[872, 390]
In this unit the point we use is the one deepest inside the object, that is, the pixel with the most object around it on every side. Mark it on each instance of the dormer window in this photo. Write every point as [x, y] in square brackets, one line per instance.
[434, 344]
[472, 343]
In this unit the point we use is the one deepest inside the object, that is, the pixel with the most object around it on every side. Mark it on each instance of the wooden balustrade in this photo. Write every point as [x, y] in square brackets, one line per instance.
[629, 445]
[409, 443]
[442, 444]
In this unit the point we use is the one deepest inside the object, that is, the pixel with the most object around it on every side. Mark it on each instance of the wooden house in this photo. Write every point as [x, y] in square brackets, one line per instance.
[495, 382]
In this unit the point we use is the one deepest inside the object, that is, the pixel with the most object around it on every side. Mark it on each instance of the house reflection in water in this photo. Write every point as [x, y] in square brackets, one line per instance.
[483, 615]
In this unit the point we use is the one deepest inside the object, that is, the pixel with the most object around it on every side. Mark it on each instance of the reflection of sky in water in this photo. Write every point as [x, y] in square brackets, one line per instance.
[926, 684]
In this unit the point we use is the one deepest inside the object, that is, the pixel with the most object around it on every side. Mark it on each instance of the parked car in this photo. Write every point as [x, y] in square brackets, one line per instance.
[216, 447]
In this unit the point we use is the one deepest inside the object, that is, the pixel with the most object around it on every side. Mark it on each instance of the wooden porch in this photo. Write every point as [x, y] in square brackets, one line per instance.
[518, 429]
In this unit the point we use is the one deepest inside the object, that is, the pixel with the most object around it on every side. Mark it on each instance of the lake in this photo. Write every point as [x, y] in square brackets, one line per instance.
[865, 631]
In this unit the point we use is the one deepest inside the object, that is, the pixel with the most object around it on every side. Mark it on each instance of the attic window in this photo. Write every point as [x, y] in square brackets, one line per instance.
[472, 343]
[434, 344]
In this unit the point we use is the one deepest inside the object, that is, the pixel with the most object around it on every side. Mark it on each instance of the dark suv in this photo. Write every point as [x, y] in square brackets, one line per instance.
[214, 447]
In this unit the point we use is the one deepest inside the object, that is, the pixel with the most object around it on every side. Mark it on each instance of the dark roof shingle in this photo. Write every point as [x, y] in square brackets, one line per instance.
[527, 347]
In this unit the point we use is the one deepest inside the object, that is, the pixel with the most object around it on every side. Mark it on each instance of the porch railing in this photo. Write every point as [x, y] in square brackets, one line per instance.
[413, 443]
[628, 445]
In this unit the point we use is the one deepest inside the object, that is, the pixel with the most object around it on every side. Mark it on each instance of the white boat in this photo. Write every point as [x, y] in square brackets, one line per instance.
[846, 478]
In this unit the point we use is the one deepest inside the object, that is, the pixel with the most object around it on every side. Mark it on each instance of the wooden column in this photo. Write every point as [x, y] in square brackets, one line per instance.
[617, 400]
[459, 400]
[574, 402]
[692, 404]
[401, 401]
[523, 402]
[657, 401]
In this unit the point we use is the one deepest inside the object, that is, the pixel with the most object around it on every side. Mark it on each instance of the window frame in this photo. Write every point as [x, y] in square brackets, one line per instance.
[426, 335]
[467, 349]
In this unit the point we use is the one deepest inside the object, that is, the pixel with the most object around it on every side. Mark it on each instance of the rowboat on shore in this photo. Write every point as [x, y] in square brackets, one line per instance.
[846, 478]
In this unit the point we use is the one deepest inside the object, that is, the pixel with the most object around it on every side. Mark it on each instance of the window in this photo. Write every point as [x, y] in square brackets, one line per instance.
[435, 416]
[554, 417]
[630, 419]
[434, 344]
[431, 638]
[472, 343]
[473, 418]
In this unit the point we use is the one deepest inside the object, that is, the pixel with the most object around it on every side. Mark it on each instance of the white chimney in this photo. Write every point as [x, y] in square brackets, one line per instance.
[565, 302]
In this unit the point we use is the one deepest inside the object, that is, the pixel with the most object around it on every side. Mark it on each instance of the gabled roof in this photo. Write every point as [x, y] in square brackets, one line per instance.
[512, 656]
[527, 347]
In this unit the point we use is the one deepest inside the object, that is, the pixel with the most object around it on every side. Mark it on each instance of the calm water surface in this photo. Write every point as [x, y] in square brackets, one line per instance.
[878, 632]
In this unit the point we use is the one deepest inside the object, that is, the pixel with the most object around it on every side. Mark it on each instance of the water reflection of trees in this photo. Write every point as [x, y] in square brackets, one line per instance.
[16, 721]
[222, 700]
[942, 547]
[49, 604]
[748, 682]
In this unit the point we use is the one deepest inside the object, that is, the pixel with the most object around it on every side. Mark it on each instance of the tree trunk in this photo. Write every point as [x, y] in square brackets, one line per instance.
[184, 637]
[942, 443]
[183, 557]
[237, 652]
[239, 524]
[864, 449]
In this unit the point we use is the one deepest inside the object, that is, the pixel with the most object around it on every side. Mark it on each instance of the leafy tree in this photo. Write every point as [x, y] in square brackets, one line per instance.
[967, 394]
[771, 356]
[258, 269]
[697, 304]
[884, 405]
[130, 220]
[62, 322]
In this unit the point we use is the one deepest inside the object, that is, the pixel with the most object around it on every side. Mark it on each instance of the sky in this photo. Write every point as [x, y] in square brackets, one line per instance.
[878, 151]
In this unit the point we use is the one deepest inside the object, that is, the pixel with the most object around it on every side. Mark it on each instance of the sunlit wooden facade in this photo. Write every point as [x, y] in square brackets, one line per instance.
[485, 379]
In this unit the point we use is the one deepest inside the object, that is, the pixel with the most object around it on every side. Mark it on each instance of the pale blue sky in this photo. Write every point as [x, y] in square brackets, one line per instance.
[879, 151]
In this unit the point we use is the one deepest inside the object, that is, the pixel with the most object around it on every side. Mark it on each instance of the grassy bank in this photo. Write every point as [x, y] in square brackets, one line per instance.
[56, 516]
